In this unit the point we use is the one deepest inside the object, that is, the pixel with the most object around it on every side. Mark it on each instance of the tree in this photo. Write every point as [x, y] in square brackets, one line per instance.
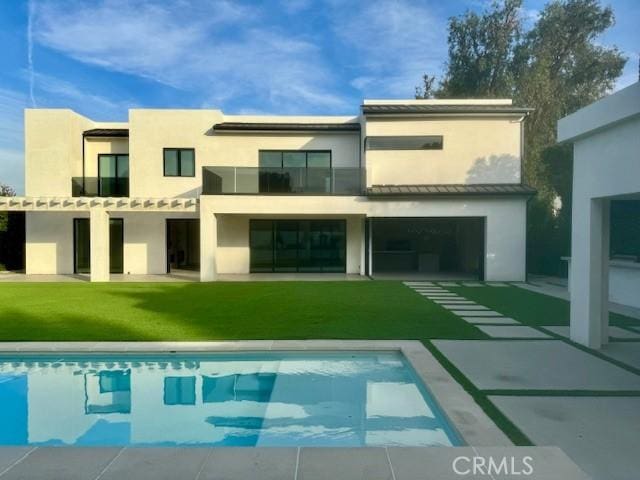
[481, 49]
[5, 191]
[426, 90]
[556, 67]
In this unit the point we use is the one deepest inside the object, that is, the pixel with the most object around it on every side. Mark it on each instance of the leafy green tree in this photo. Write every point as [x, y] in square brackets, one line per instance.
[556, 67]
[5, 191]
[481, 49]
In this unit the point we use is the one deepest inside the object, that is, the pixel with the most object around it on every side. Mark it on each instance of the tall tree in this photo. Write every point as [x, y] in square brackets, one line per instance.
[481, 48]
[5, 191]
[556, 67]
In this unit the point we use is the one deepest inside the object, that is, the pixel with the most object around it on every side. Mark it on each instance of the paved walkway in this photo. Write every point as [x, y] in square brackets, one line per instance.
[557, 393]
[73, 463]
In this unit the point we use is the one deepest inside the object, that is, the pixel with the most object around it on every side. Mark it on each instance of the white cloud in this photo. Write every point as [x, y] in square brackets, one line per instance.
[218, 49]
[397, 42]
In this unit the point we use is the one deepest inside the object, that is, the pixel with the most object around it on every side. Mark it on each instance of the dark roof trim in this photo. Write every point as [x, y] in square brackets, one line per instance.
[443, 109]
[286, 127]
[450, 190]
[106, 132]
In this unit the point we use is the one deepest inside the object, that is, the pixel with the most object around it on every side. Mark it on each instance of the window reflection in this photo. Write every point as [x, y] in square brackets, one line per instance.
[108, 392]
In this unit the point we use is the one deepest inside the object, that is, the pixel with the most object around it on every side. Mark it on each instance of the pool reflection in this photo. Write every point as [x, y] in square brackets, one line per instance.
[352, 399]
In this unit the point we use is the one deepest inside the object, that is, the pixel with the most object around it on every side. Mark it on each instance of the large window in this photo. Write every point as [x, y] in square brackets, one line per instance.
[179, 162]
[113, 175]
[298, 245]
[404, 142]
[285, 171]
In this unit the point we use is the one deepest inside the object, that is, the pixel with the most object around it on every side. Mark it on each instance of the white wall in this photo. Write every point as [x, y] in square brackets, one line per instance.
[505, 222]
[475, 150]
[233, 253]
[49, 242]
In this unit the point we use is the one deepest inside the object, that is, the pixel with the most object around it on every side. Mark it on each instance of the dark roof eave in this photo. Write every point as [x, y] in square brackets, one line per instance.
[444, 109]
[286, 127]
[106, 132]
[450, 190]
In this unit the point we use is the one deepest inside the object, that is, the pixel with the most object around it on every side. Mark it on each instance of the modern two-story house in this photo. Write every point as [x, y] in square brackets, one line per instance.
[406, 189]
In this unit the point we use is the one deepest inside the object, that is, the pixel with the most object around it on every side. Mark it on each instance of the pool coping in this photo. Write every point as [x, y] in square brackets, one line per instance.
[474, 427]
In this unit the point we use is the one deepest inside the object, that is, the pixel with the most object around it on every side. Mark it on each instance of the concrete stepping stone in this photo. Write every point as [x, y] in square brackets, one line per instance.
[468, 307]
[479, 313]
[433, 289]
[472, 284]
[497, 284]
[455, 301]
[490, 320]
[409, 284]
[518, 331]
[614, 332]
[448, 284]
[536, 365]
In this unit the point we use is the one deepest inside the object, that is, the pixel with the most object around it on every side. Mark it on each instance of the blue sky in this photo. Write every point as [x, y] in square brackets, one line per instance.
[275, 56]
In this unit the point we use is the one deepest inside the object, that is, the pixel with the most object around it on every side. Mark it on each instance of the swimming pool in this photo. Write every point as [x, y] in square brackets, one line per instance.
[223, 399]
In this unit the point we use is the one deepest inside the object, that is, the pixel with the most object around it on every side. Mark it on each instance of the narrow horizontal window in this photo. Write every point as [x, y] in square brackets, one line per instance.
[407, 142]
[179, 162]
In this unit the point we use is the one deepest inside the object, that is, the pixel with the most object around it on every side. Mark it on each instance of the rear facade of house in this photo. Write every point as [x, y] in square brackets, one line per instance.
[406, 189]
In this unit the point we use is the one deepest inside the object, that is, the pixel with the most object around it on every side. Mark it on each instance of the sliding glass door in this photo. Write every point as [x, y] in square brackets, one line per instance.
[113, 178]
[298, 246]
[81, 246]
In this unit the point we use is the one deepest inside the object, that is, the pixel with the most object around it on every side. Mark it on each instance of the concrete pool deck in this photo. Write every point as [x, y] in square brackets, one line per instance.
[483, 437]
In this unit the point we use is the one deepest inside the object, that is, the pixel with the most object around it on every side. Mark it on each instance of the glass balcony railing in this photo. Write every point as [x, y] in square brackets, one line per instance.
[292, 181]
[100, 187]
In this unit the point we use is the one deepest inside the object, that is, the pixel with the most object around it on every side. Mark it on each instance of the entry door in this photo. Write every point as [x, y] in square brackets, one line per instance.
[116, 245]
[81, 246]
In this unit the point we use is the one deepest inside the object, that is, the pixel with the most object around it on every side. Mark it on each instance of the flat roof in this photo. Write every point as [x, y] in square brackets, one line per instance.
[449, 190]
[106, 132]
[430, 108]
[286, 127]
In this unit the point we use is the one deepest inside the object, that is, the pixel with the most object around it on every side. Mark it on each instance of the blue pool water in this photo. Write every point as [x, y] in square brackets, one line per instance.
[235, 399]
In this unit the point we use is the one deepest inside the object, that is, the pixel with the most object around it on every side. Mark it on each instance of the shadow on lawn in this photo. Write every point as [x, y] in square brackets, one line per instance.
[218, 311]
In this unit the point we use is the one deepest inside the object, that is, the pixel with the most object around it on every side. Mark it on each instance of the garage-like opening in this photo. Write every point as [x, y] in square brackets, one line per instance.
[429, 248]
[183, 244]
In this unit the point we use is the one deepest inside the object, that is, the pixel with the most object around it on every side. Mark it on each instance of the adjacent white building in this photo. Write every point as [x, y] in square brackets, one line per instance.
[408, 188]
[606, 168]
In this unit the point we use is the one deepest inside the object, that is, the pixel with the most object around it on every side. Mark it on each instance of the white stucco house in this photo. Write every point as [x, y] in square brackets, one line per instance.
[410, 188]
[606, 169]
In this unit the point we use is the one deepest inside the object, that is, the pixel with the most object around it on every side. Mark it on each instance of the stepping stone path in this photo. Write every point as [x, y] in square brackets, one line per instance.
[493, 323]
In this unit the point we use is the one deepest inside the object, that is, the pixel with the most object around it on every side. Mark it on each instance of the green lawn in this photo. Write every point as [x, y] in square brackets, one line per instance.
[216, 311]
[528, 307]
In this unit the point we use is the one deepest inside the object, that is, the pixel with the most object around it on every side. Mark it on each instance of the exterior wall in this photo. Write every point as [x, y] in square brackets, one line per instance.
[153, 130]
[475, 150]
[49, 242]
[97, 145]
[505, 224]
[233, 253]
[53, 151]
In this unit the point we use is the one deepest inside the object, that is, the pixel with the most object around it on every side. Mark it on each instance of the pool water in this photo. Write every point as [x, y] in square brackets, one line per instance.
[234, 399]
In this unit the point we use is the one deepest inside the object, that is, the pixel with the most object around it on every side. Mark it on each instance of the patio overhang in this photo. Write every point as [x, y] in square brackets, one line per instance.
[119, 204]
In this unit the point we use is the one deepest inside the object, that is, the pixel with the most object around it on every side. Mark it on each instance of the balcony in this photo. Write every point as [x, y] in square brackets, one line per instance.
[282, 181]
[99, 187]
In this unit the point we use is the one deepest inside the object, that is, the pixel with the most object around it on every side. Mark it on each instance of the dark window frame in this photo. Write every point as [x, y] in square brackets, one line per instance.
[178, 151]
[306, 156]
[117, 156]
[430, 142]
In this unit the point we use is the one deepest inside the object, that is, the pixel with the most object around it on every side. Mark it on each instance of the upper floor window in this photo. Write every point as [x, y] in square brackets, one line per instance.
[295, 159]
[405, 142]
[179, 162]
[113, 175]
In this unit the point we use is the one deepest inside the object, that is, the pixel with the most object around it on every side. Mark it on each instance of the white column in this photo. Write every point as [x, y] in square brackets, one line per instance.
[590, 272]
[363, 245]
[208, 247]
[370, 247]
[99, 244]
